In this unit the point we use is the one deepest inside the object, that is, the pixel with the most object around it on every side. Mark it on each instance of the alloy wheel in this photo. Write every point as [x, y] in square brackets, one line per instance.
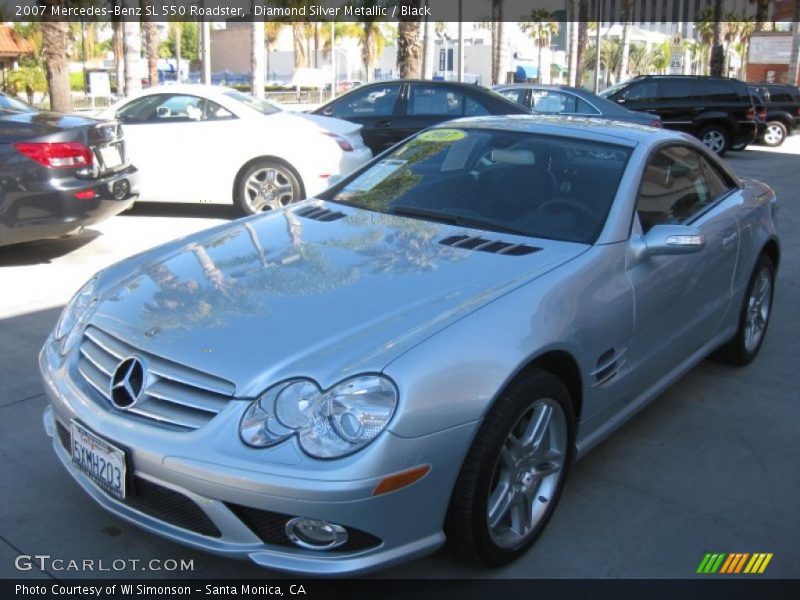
[773, 134]
[268, 188]
[714, 141]
[758, 307]
[527, 473]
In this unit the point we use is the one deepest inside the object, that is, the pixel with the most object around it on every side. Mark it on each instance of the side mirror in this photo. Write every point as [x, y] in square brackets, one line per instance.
[328, 112]
[673, 239]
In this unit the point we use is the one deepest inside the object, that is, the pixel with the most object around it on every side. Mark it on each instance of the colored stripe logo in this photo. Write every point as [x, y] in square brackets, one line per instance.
[732, 563]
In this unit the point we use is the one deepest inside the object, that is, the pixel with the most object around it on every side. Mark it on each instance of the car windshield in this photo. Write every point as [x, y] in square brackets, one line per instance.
[517, 182]
[262, 106]
[7, 103]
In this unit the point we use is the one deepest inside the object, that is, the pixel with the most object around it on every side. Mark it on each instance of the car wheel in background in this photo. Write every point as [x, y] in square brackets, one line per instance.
[514, 472]
[267, 185]
[716, 139]
[774, 134]
[743, 347]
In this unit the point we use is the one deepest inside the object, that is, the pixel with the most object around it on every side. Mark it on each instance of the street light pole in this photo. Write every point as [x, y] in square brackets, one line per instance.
[460, 41]
[334, 70]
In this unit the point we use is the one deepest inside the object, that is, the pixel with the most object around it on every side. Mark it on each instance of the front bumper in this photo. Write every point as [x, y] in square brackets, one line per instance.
[47, 208]
[235, 501]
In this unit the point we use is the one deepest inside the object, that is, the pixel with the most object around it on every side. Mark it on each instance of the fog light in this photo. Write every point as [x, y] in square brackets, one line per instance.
[314, 534]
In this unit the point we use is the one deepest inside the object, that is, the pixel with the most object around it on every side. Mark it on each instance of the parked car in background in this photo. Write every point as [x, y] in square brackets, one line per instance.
[782, 118]
[59, 174]
[416, 356]
[571, 101]
[10, 104]
[198, 143]
[717, 110]
[390, 111]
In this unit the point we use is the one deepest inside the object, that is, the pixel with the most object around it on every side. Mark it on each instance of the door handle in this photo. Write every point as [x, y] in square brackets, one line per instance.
[383, 124]
[729, 239]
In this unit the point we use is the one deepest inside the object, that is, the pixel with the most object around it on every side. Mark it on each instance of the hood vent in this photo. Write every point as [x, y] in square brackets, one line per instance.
[494, 246]
[320, 214]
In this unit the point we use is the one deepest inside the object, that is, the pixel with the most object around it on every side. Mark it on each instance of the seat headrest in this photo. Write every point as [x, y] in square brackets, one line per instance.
[514, 157]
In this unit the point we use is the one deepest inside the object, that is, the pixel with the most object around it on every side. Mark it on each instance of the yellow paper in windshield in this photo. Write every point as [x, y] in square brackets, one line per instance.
[441, 135]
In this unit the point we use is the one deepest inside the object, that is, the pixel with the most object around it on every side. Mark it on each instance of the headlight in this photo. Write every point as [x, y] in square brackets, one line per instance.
[75, 315]
[328, 424]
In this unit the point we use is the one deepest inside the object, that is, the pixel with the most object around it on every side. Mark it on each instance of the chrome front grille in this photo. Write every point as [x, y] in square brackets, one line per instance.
[173, 394]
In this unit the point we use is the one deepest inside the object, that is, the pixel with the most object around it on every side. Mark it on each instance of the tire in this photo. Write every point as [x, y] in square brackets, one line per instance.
[774, 135]
[741, 349]
[716, 139]
[266, 185]
[532, 486]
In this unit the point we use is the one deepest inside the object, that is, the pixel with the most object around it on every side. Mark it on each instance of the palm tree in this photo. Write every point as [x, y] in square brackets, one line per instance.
[427, 47]
[626, 39]
[639, 60]
[541, 27]
[272, 31]
[573, 43]
[499, 54]
[299, 44]
[717, 62]
[792, 75]
[55, 53]
[583, 39]
[762, 11]
[409, 48]
[133, 50]
[150, 30]
[177, 29]
[373, 40]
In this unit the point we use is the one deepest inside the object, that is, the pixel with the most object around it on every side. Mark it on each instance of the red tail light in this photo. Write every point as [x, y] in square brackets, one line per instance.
[343, 143]
[798, 111]
[655, 123]
[59, 155]
[762, 114]
[750, 114]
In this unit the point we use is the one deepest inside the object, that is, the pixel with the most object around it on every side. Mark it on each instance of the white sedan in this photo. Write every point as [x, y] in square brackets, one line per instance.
[199, 143]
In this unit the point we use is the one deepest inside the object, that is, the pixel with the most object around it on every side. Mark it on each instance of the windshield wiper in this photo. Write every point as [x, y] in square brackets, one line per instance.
[450, 219]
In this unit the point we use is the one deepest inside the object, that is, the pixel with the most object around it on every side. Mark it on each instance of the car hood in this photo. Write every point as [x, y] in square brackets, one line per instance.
[283, 295]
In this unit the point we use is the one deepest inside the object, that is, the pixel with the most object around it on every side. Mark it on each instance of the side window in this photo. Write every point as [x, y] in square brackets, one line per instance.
[718, 184]
[553, 103]
[514, 94]
[374, 101]
[677, 89]
[584, 108]
[215, 112]
[640, 92]
[435, 101]
[473, 108]
[720, 91]
[168, 108]
[781, 96]
[676, 187]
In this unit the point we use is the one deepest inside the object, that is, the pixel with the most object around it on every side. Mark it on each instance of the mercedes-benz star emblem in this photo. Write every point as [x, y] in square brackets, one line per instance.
[127, 383]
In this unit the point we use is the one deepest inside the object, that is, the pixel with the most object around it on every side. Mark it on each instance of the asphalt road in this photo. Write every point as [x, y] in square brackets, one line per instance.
[710, 466]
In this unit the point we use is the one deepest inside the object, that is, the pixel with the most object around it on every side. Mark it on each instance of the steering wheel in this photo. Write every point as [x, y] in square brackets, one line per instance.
[571, 204]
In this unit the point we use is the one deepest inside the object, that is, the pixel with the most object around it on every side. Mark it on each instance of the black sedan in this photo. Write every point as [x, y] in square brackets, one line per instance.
[60, 173]
[566, 100]
[390, 111]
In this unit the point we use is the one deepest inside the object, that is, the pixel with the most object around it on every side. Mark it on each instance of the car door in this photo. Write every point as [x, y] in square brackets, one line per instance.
[376, 108]
[678, 103]
[681, 299]
[639, 95]
[174, 139]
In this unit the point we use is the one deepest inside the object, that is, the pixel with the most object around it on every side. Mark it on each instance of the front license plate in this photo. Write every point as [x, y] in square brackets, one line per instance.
[100, 461]
[111, 156]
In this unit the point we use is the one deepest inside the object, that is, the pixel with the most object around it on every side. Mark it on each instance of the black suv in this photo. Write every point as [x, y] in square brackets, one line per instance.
[782, 104]
[718, 110]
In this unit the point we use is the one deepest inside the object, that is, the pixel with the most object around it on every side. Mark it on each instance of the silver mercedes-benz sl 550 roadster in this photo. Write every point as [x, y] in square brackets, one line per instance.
[418, 354]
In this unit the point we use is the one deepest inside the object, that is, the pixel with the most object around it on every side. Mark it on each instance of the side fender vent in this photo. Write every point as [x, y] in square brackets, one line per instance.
[483, 245]
[320, 214]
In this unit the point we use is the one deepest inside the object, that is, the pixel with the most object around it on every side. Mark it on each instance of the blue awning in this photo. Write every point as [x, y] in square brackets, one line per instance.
[525, 72]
